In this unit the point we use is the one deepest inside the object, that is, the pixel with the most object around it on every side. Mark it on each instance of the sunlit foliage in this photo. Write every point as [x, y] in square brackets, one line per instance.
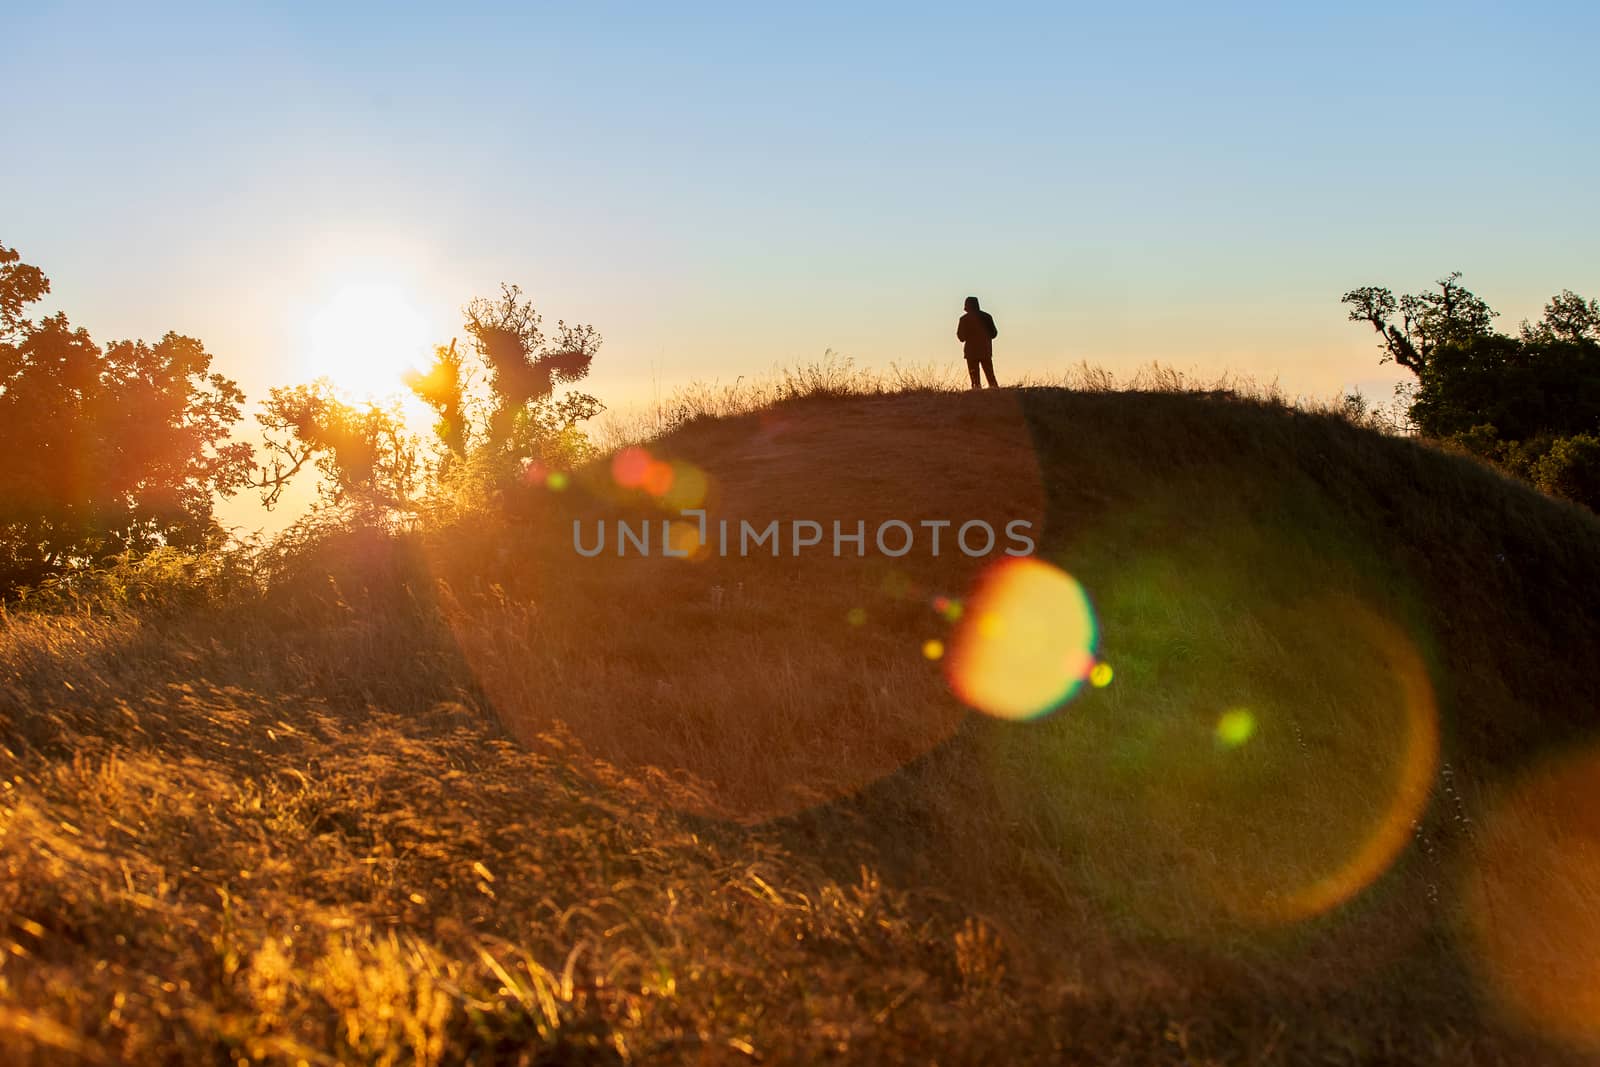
[365, 457]
[108, 449]
[500, 410]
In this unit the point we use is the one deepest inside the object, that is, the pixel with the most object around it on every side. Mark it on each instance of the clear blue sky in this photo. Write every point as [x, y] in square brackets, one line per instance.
[724, 188]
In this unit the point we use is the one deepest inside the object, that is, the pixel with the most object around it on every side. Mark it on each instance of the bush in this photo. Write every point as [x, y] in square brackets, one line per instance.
[1571, 468]
[161, 580]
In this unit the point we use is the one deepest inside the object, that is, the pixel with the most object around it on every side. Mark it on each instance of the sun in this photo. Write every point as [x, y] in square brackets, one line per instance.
[365, 337]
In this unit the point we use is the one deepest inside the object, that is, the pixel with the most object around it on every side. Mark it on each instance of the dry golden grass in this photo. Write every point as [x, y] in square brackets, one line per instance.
[465, 797]
[835, 376]
[197, 871]
[746, 673]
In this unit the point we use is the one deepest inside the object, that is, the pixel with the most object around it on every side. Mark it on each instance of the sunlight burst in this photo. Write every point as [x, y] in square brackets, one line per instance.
[365, 337]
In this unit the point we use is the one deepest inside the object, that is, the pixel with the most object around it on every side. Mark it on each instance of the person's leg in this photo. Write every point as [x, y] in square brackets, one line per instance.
[988, 370]
[972, 369]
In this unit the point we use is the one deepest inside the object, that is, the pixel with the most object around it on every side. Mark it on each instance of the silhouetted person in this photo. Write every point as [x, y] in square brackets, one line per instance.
[976, 332]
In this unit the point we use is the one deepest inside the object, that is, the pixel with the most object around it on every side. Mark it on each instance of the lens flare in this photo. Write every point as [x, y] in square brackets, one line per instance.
[686, 487]
[556, 480]
[1240, 793]
[683, 541]
[628, 467]
[897, 585]
[1414, 770]
[658, 478]
[856, 616]
[933, 649]
[1100, 676]
[1235, 727]
[1532, 901]
[1026, 641]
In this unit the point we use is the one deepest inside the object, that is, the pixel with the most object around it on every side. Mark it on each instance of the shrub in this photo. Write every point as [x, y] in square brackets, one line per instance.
[1571, 468]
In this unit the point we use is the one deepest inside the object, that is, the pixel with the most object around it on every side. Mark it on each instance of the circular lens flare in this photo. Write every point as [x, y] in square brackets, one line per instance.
[683, 540]
[1025, 642]
[686, 486]
[629, 466]
[1235, 727]
[1415, 766]
[658, 477]
[1236, 797]
[1532, 901]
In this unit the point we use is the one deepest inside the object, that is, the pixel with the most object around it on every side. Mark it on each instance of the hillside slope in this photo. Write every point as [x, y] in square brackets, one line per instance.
[1323, 803]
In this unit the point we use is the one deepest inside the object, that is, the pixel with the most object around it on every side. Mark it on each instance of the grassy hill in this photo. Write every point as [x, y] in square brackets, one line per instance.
[471, 797]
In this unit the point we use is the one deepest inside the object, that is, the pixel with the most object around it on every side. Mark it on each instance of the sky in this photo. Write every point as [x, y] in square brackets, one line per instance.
[724, 189]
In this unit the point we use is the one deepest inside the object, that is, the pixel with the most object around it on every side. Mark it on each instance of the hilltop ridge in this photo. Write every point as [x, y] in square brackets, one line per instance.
[467, 794]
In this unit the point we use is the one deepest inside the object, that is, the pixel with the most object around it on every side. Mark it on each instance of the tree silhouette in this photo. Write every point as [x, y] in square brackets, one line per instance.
[1567, 317]
[1427, 319]
[523, 369]
[1529, 403]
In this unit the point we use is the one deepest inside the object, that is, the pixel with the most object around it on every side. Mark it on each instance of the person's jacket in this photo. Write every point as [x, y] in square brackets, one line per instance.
[976, 332]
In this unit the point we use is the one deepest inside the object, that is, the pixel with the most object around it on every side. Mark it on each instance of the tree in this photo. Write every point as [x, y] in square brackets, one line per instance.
[366, 460]
[443, 387]
[490, 436]
[108, 450]
[1567, 317]
[1571, 468]
[20, 285]
[1511, 400]
[1427, 319]
[524, 370]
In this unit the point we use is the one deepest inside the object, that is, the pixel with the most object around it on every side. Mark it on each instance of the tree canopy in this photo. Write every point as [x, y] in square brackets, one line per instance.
[366, 459]
[500, 410]
[1530, 403]
[497, 411]
[108, 449]
[124, 447]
